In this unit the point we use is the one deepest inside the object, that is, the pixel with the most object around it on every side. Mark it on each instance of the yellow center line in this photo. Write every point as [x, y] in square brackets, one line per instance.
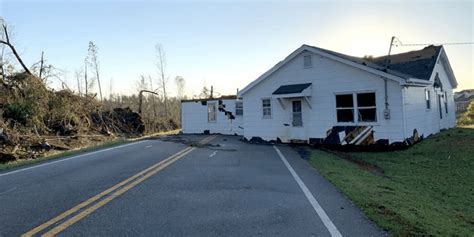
[151, 170]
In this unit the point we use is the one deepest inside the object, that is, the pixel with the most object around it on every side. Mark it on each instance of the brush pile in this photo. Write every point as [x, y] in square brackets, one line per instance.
[35, 120]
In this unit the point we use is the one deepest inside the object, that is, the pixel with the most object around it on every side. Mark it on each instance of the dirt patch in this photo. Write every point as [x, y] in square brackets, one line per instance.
[374, 169]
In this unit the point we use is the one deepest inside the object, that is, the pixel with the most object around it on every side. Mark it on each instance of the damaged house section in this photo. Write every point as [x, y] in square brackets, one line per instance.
[221, 115]
[318, 96]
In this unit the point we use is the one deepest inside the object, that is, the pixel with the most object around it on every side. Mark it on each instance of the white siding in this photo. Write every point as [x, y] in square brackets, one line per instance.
[428, 122]
[194, 118]
[327, 77]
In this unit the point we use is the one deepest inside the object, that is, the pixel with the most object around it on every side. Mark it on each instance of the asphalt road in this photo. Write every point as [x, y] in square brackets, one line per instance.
[224, 188]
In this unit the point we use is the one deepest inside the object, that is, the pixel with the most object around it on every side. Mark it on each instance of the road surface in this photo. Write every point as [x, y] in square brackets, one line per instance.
[177, 187]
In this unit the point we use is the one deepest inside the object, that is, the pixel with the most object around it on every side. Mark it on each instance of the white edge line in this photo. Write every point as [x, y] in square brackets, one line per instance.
[319, 210]
[71, 158]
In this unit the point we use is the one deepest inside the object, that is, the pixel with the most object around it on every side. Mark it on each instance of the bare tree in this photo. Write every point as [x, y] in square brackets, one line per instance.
[88, 84]
[2, 52]
[162, 78]
[153, 103]
[111, 87]
[6, 41]
[94, 63]
[180, 85]
[78, 74]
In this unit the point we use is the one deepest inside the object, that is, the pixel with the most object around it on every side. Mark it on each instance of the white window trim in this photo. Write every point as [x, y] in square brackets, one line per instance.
[355, 109]
[429, 99]
[209, 113]
[242, 103]
[271, 109]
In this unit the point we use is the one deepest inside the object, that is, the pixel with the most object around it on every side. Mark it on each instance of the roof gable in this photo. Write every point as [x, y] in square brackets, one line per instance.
[345, 59]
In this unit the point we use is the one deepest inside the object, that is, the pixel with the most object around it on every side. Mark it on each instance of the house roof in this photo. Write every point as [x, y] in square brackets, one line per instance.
[291, 89]
[418, 63]
[413, 67]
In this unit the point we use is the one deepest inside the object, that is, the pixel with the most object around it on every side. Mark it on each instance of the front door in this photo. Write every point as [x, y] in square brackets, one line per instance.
[297, 131]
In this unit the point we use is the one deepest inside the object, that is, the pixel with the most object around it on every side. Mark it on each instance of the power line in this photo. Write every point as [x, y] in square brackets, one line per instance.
[398, 42]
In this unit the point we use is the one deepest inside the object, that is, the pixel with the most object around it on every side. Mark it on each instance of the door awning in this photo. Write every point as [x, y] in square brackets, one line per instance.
[293, 90]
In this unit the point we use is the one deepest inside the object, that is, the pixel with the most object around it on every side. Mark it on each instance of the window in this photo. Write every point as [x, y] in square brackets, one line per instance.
[361, 104]
[367, 111]
[446, 101]
[345, 108]
[211, 112]
[427, 99]
[239, 108]
[267, 108]
[307, 61]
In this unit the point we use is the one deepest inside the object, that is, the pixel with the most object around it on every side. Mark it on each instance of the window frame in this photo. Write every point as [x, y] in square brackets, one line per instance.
[310, 65]
[345, 108]
[365, 107]
[355, 108]
[427, 99]
[209, 112]
[446, 102]
[241, 108]
[269, 107]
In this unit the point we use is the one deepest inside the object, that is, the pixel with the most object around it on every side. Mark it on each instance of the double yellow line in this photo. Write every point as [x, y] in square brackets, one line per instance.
[111, 194]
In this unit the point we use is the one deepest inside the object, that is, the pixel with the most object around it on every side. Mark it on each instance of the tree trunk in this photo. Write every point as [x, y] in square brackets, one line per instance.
[17, 56]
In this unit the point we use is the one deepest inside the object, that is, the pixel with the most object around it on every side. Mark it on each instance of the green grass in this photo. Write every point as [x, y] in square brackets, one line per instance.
[18, 163]
[427, 189]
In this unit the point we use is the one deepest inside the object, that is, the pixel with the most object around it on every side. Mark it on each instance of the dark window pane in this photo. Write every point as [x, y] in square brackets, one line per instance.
[345, 115]
[367, 115]
[366, 99]
[344, 101]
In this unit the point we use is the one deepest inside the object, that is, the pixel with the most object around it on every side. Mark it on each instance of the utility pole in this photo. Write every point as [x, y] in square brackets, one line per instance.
[212, 92]
[386, 111]
[387, 60]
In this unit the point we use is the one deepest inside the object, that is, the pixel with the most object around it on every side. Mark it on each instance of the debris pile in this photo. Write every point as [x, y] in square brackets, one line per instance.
[35, 120]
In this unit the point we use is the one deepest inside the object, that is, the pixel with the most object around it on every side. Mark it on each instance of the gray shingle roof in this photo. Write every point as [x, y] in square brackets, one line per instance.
[414, 64]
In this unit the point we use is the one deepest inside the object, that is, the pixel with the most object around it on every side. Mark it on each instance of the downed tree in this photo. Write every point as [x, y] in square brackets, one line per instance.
[35, 120]
[12, 48]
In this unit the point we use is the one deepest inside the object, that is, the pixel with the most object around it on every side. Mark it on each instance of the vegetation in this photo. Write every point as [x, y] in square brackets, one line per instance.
[425, 190]
[467, 118]
[37, 120]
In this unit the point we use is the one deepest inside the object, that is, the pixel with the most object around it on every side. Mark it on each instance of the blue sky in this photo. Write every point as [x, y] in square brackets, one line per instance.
[228, 43]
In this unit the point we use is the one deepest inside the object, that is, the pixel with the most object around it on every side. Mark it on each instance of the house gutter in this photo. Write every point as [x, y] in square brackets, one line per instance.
[417, 82]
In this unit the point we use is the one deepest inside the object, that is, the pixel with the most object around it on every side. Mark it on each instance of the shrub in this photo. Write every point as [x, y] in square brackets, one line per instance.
[467, 118]
[19, 111]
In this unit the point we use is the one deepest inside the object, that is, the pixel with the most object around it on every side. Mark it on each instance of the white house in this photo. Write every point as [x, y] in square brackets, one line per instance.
[221, 115]
[323, 97]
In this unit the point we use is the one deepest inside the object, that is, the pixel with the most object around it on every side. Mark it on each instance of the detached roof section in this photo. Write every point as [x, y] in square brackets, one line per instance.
[291, 89]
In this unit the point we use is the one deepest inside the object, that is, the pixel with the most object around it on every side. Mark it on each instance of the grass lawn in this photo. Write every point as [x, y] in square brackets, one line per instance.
[427, 189]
